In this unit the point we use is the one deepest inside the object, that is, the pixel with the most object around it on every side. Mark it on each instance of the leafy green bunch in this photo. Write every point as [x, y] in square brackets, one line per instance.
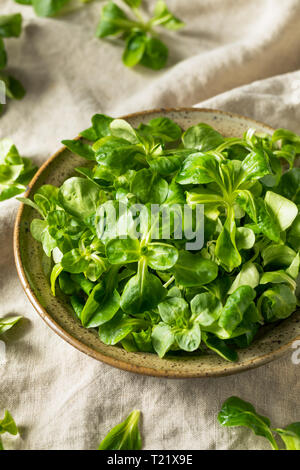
[237, 412]
[148, 292]
[7, 425]
[10, 26]
[142, 45]
[15, 171]
[45, 8]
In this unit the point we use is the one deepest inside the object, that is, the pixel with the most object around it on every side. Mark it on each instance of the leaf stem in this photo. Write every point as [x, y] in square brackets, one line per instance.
[169, 282]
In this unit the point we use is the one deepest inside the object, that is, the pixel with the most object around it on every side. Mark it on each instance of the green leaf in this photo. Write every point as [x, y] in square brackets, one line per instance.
[248, 276]
[142, 292]
[165, 129]
[73, 262]
[277, 303]
[254, 167]
[57, 269]
[162, 339]
[290, 436]
[206, 308]
[265, 220]
[289, 185]
[113, 21]
[163, 17]
[24, 2]
[3, 58]
[80, 197]
[188, 338]
[7, 323]
[293, 234]
[133, 3]
[235, 307]
[124, 436]
[161, 256]
[143, 340]
[226, 249]
[204, 196]
[122, 251]
[202, 137]
[10, 25]
[7, 424]
[193, 270]
[123, 130]
[119, 328]
[149, 187]
[287, 137]
[156, 54]
[9, 173]
[278, 277]
[244, 238]
[174, 310]
[79, 148]
[237, 412]
[48, 7]
[198, 169]
[220, 347]
[277, 256]
[100, 128]
[100, 307]
[134, 49]
[116, 154]
[284, 210]
[293, 269]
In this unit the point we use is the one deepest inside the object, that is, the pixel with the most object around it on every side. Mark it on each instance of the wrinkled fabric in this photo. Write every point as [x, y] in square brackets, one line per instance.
[234, 55]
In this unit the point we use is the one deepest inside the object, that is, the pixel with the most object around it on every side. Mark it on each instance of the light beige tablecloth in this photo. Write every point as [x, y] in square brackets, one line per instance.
[60, 398]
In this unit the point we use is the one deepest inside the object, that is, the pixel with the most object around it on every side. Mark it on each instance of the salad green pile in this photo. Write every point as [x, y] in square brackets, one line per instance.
[10, 27]
[150, 293]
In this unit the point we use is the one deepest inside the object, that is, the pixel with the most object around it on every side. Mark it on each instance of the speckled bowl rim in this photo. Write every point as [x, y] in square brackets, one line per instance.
[119, 363]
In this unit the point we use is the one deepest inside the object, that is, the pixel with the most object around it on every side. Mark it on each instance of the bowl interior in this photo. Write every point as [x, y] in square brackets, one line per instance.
[34, 267]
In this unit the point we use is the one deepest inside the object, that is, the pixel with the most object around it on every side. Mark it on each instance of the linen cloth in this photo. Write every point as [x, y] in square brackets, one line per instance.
[60, 398]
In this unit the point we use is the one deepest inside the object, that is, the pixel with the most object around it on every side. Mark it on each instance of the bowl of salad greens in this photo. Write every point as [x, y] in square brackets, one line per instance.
[167, 242]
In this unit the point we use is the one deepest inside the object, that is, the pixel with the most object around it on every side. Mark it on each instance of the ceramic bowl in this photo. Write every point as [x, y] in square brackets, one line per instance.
[33, 269]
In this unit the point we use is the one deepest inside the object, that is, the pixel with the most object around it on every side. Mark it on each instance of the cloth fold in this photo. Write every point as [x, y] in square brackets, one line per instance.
[60, 398]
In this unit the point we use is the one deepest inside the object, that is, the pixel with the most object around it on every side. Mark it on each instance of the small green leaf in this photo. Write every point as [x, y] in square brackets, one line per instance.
[134, 49]
[11, 25]
[202, 137]
[124, 436]
[290, 436]
[162, 339]
[113, 21]
[193, 270]
[156, 54]
[48, 7]
[7, 323]
[79, 148]
[237, 412]
[7, 424]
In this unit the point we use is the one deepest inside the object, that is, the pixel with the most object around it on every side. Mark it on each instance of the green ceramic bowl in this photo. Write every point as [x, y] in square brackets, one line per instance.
[33, 269]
